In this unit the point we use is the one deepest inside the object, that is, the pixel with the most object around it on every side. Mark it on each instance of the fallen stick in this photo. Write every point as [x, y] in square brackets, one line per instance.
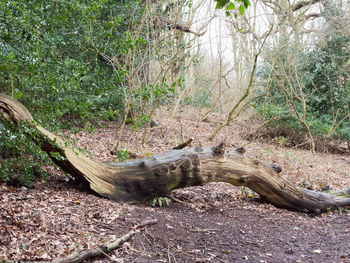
[183, 145]
[81, 255]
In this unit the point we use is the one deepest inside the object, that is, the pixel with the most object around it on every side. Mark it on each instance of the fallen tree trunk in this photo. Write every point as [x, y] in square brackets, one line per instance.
[159, 175]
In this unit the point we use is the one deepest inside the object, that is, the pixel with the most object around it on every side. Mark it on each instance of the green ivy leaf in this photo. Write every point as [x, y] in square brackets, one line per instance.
[221, 3]
[246, 3]
[230, 6]
[241, 9]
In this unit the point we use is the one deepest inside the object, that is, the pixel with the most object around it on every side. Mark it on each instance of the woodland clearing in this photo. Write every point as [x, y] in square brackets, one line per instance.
[261, 89]
[212, 223]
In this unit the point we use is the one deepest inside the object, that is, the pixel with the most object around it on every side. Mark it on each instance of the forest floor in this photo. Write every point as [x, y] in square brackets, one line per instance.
[212, 223]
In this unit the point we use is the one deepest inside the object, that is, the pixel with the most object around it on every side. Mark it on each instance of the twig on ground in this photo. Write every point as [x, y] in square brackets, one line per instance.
[197, 229]
[183, 145]
[176, 199]
[81, 255]
[145, 223]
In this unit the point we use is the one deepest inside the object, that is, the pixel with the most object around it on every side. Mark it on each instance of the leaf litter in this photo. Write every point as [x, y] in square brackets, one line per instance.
[212, 223]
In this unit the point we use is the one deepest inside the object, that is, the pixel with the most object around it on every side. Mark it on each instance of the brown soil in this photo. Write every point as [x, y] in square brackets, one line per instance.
[212, 223]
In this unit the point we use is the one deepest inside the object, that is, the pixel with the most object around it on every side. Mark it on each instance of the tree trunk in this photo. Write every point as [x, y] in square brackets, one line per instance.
[159, 175]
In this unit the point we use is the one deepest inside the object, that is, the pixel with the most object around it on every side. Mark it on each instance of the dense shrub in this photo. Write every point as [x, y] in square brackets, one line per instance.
[50, 56]
[53, 60]
[319, 75]
[20, 157]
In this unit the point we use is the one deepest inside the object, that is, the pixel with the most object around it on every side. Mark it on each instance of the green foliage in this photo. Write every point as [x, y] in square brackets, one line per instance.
[246, 192]
[160, 201]
[229, 6]
[51, 56]
[20, 157]
[123, 155]
[160, 91]
[73, 62]
[141, 120]
[320, 74]
[328, 64]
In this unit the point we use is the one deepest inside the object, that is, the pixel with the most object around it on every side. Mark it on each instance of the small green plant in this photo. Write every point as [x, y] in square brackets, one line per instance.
[281, 140]
[140, 121]
[269, 150]
[148, 154]
[160, 201]
[90, 127]
[57, 156]
[123, 155]
[245, 192]
[341, 210]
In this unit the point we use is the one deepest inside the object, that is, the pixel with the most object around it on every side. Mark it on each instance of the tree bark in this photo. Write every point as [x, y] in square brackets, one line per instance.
[159, 175]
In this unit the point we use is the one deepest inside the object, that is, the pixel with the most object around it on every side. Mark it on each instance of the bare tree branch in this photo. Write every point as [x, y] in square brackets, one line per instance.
[301, 4]
[183, 28]
[312, 15]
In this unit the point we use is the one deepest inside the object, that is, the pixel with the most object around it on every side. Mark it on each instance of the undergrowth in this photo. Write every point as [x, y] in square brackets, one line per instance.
[21, 158]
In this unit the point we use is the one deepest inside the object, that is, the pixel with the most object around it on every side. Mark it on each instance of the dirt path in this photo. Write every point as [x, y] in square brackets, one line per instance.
[212, 223]
[231, 230]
